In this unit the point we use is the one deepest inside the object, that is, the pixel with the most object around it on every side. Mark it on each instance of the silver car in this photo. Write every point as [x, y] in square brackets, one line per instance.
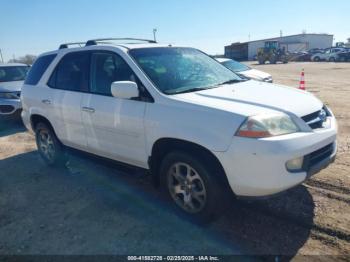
[11, 80]
[329, 55]
[245, 71]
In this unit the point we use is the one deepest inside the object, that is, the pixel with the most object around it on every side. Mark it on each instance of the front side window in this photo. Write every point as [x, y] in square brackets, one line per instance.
[107, 68]
[13, 73]
[235, 66]
[180, 70]
[72, 72]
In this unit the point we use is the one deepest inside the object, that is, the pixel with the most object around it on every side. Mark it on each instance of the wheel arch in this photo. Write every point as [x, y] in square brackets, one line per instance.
[164, 146]
[35, 119]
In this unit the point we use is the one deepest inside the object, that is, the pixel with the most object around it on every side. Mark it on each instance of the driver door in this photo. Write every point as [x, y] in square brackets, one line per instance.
[114, 127]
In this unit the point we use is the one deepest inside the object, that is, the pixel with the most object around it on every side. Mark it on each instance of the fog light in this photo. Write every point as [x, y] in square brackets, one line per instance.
[295, 164]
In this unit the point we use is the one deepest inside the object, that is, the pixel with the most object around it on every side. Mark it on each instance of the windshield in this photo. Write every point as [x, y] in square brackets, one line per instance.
[180, 70]
[13, 73]
[235, 66]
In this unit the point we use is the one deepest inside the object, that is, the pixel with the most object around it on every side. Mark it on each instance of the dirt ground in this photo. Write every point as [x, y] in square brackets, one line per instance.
[95, 207]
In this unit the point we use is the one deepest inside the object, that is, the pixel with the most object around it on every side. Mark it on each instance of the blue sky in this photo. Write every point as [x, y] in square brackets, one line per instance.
[36, 26]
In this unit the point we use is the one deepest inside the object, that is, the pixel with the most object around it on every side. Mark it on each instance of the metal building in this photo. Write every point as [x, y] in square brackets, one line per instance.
[292, 43]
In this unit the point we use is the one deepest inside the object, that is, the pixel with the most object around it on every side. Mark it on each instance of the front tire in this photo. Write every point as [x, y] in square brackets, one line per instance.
[50, 148]
[192, 185]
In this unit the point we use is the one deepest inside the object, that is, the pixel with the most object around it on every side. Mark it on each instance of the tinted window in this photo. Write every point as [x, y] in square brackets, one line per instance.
[13, 73]
[107, 68]
[71, 72]
[38, 69]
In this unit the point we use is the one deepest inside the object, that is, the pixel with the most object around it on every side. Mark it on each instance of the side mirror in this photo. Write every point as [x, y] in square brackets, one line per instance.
[124, 89]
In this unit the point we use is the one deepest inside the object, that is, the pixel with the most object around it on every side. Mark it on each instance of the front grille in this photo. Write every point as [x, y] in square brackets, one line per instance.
[5, 109]
[315, 120]
[311, 117]
[316, 157]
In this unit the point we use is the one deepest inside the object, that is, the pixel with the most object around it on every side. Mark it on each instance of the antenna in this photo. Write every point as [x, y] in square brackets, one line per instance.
[154, 34]
[2, 58]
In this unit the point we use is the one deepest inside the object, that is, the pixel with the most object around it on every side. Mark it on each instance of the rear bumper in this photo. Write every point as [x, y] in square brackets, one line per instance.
[257, 167]
[9, 106]
[26, 120]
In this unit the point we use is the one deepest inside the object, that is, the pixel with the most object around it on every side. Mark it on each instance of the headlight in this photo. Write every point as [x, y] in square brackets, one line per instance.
[267, 125]
[9, 95]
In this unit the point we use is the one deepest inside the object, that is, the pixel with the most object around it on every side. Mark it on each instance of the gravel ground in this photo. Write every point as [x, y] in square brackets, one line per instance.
[97, 207]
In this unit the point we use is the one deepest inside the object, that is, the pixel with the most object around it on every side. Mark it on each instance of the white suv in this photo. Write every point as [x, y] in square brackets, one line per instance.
[199, 128]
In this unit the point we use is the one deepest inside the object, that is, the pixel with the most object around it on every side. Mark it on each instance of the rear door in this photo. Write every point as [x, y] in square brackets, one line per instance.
[69, 79]
[114, 127]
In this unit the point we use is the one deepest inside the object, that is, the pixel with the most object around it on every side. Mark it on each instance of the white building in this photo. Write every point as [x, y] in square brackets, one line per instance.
[292, 43]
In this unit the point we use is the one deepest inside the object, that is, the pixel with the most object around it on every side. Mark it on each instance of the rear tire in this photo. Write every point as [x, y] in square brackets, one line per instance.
[50, 148]
[273, 59]
[261, 60]
[332, 59]
[317, 59]
[192, 186]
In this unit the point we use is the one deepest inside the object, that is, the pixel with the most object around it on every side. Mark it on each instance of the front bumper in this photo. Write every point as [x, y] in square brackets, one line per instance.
[257, 167]
[9, 106]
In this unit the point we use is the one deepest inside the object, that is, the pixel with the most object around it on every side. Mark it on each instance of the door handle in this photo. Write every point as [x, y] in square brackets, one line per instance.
[46, 101]
[88, 109]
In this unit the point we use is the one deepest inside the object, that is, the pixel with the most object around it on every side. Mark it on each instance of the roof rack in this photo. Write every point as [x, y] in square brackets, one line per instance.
[66, 45]
[101, 40]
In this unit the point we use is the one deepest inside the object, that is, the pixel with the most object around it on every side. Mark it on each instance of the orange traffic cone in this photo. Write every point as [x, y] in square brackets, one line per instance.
[302, 81]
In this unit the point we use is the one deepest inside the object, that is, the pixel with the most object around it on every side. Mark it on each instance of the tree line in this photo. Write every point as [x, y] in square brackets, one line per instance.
[27, 59]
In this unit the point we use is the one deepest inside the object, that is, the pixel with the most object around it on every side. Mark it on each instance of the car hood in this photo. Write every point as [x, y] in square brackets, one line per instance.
[252, 97]
[255, 74]
[13, 86]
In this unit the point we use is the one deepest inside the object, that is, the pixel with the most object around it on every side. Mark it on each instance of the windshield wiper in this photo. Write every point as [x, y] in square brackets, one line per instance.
[232, 81]
[190, 90]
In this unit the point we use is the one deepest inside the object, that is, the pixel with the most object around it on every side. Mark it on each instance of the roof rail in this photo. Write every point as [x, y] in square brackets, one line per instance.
[96, 41]
[66, 45]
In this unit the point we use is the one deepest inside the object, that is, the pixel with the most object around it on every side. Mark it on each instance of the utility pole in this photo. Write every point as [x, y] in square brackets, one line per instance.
[154, 34]
[2, 58]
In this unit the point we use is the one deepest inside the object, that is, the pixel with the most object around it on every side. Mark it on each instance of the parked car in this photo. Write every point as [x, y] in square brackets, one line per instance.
[245, 71]
[199, 128]
[329, 54]
[11, 80]
[304, 56]
[300, 56]
[344, 56]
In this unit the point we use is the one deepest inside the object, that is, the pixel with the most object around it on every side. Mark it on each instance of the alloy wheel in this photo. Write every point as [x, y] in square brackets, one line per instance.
[46, 144]
[186, 187]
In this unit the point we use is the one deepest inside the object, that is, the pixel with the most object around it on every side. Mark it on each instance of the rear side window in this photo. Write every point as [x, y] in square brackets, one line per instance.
[38, 69]
[72, 72]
